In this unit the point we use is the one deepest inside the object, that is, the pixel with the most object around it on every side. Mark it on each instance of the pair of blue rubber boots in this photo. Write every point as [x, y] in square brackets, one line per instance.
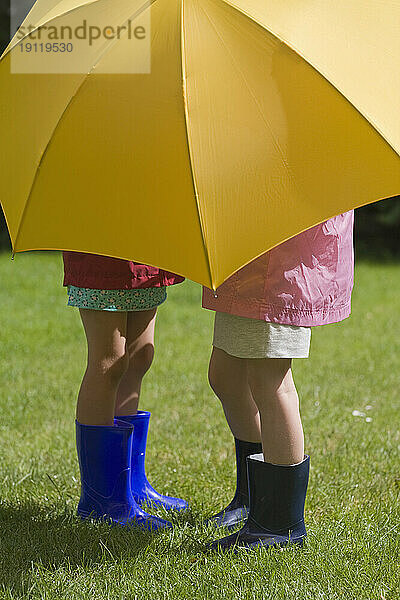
[114, 485]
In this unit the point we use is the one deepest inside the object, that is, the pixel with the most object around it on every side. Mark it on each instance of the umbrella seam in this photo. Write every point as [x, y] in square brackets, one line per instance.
[367, 118]
[12, 46]
[202, 221]
[146, 5]
[275, 141]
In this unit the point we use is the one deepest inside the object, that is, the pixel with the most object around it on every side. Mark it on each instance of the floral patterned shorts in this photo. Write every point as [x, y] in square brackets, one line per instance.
[116, 300]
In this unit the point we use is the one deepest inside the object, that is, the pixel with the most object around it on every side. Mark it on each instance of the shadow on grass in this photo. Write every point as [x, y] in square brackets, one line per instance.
[31, 534]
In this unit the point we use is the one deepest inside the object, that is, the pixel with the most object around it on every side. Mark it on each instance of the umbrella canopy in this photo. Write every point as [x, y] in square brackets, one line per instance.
[257, 120]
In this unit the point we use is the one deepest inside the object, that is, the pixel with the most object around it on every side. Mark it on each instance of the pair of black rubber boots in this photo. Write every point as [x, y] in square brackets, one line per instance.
[269, 499]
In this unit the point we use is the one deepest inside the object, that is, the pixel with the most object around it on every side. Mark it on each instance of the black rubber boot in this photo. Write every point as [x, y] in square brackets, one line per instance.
[276, 514]
[238, 509]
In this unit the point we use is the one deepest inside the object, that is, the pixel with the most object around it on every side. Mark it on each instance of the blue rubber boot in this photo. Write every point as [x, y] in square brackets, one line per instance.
[104, 455]
[141, 489]
[276, 513]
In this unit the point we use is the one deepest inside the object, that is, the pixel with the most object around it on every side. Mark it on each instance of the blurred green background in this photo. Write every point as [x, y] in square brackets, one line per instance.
[377, 227]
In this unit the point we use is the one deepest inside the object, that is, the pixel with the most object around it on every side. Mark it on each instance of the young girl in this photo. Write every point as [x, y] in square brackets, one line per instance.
[117, 300]
[264, 315]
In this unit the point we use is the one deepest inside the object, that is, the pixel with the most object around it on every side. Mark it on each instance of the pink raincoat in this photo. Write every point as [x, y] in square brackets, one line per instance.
[306, 281]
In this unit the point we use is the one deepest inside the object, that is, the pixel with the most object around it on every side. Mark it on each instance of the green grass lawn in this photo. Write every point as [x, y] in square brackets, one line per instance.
[352, 510]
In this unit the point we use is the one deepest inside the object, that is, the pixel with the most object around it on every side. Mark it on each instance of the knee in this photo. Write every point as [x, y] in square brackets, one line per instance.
[217, 379]
[270, 378]
[142, 360]
[114, 367]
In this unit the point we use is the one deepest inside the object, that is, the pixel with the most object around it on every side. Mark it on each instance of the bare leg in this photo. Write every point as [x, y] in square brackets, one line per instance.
[107, 362]
[140, 349]
[228, 378]
[275, 394]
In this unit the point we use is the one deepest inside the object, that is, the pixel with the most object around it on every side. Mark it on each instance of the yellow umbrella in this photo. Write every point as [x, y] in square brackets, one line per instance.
[257, 120]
